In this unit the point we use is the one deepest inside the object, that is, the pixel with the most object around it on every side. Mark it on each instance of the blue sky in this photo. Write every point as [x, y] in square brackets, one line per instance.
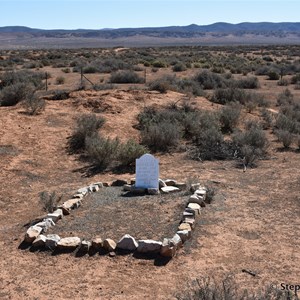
[96, 14]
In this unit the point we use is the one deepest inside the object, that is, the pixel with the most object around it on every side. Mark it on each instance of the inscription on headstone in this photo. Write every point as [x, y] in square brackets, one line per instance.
[146, 172]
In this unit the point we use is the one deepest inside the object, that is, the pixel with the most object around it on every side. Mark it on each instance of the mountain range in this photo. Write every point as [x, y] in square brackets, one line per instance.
[214, 34]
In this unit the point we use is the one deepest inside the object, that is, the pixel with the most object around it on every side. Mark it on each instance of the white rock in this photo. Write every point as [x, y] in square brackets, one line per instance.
[109, 245]
[127, 242]
[184, 235]
[167, 249]
[201, 192]
[170, 182]
[32, 233]
[184, 226]
[149, 246]
[100, 184]
[194, 187]
[56, 215]
[46, 224]
[181, 185]
[161, 183]
[51, 241]
[68, 243]
[176, 241]
[85, 246]
[189, 221]
[127, 187]
[170, 189]
[196, 199]
[39, 242]
[79, 196]
[93, 188]
[153, 191]
[97, 243]
[83, 191]
[195, 207]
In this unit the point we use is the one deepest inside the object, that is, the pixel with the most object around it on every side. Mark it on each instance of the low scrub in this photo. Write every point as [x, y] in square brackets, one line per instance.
[126, 76]
[285, 137]
[34, 105]
[49, 201]
[12, 94]
[229, 117]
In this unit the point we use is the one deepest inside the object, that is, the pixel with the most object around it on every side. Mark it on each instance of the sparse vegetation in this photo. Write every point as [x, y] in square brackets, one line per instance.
[49, 201]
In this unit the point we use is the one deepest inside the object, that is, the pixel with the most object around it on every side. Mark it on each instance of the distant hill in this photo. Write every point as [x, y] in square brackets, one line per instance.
[217, 33]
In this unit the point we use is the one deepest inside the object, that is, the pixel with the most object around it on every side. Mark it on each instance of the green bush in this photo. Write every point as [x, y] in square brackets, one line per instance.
[284, 98]
[162, 136]
[12, 94]
[60, 80]
[129, 152]
[223, 96]
[158, 64]
[247, 83]
[86, 126]
[34, 105]
[295, 79]
[229, 117]
[102, 151]
[209, 80]
[285, 137]
[126, 76]
[179, 67]
[273, 75]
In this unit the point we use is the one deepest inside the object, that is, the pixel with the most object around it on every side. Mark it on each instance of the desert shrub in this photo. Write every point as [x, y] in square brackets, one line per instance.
[273, 75]
[102, 151]
[295, 79]
[267, 118]
[34, 105]
[284, 98]
[126, 76]
[129, 152]
[286, 123]
[229, 116]
[66, 70]
[223, 96]
[251, 144]
[298, 141]
[86, 126]
[103, 86]
[209, 80]
[285, 137]
[179, 67]
[283, 82]
[247, 83]
[60, 95]
[161, 136]
[49, 201]
[60, 80]
[14, 93]
[158, 64]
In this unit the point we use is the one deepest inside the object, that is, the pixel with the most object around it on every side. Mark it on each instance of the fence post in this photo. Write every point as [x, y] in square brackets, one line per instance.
[46, 81]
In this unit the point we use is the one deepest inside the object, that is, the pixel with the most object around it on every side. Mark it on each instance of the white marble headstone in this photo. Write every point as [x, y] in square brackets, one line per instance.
[147, 172]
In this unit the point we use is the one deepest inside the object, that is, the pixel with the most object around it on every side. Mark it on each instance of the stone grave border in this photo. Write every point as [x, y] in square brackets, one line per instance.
[37, 239]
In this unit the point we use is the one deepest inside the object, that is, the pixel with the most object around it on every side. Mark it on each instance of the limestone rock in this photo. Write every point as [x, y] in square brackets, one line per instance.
[51, 241]
[132, 181]
[127, 242]
[32, 233]
[149, 246]
[184, 235]
[161, 183]
[201, 192]
[197, 199]
[56, 215]
[184, 226]
[170, 189]
[195, 207]
[46, 224]
[68, 243]
[93, 188]
[79, 196]
[170, 182]
[83, 191]
[167, 249]
[138, 191]
[181, 185]
[188, 214]
[39, 242]
[109, 245]
[189, 221]
[85, 246]
[176, 241]
[127, 187]
[194, 187]
[100, 184]
[97, 243]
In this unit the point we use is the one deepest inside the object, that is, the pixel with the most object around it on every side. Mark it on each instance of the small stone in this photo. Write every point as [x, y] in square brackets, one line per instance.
[195, 207]
[85, 246]
[97, 243]
[187, 214]
[194, 187]
[184, 235]
[83, 191]
[167, 249]
[184, 226]
[127, 242]
[161, 183]
[196, 199]
[153, 191]
[127, 187]
[93, 188]
[189, 221]
[191, 211]
[68, 243]
[100, 184]
[105, 184]
[201, 192]
[132, 181]
[176, 241]
[79, 196]
[119, 182]
[71, 204]
[32, 233]
[149, 246]
[170, 189]
[181, 185]
[170, 182]
[109, 245]
[39, 242]
[46, 224]
[112, 254]
[51, 241]
[138, 191]
[56, 215]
